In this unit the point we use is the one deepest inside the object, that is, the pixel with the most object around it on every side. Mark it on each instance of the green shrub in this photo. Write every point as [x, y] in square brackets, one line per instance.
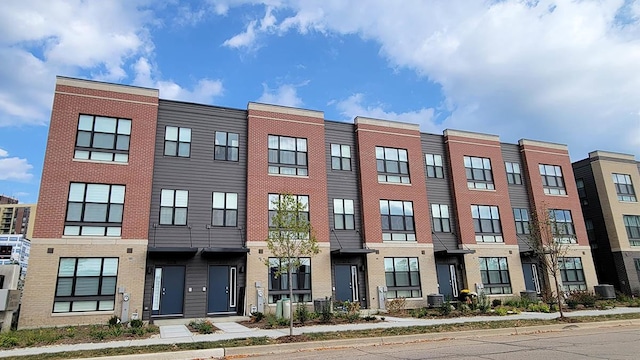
[114, 321]
[98, 334]
[445, 308]
[496, 302]
[8, 341]
[257, 316]
[138, 331]
[501, 311]
[418, 313]
[116, 331]
[302, 314]
[581, 297]
[202, 326]
[136, 323]
[397, 306]
[539, 307]
[483, 303]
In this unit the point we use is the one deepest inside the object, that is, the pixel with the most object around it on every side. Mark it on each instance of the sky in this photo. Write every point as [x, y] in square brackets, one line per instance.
[559, 71]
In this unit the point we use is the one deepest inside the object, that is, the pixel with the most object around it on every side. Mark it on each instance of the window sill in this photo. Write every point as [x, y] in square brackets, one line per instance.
[393, 183]
[101, 161]
[290, 176]
[557, 195]
[84, 313]
[490, 242]
[486, 190]
[91, 237]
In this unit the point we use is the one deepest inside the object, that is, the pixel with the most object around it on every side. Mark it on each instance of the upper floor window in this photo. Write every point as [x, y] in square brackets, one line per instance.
[632, 224]
[86, 284]
[299, 214]
[392, 165]
[514, 176]
[173, 207]
[226, 146]
[552, 180]
[624, 187]
[94, 210]
[479, 175]
[340, 157]
[582, 193]
[440, 218]
[402, 277]
[434, 166]
[103, 138]
[287, 155]
[397, 220]
[562, 226]
[177, 141]
[494, 272]
[591, 233]
[343, 214]
[572, 274]
[486, 222]
[225, 209]
[521, 217]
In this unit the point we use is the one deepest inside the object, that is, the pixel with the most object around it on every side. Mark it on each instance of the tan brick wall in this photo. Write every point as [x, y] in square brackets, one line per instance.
[40, 284]
[472, 266]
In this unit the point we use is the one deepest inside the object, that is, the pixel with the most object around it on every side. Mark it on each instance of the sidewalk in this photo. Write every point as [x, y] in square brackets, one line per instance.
[173, 334]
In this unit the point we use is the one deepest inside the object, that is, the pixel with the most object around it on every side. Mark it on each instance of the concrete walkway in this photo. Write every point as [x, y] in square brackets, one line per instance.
[178, 333]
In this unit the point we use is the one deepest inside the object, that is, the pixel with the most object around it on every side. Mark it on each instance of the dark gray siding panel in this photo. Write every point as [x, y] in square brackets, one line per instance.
[518, 194]
[343, 184]
[199, 174]
[439, 190]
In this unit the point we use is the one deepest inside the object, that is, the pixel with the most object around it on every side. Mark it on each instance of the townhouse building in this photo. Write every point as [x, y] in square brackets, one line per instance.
[162, 208]
[606, 184]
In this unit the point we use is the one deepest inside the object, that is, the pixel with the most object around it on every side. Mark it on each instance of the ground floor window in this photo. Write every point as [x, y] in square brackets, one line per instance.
[402, 276]
[279, 283]
[572, 274]
[495, 275]
[86, 284]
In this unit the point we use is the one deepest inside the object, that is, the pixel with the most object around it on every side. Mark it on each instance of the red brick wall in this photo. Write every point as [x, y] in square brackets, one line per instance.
[533, 157]
[370, 136]
[260, 183]
[60, 169]
[459, 147]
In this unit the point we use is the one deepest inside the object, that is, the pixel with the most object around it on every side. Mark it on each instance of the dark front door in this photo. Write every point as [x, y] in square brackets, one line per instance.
[222, 289]
[447, 281]
[531, 280]
[344, 288]
[168, 292]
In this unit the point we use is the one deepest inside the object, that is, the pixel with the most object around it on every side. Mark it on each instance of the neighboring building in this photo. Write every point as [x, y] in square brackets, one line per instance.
[15, 218]
[607, 185]
[7, 200]
[170, 203]
[15, 249]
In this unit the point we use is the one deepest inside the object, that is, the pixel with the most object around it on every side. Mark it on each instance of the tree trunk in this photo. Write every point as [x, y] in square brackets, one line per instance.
[555, 278]
[289, 270]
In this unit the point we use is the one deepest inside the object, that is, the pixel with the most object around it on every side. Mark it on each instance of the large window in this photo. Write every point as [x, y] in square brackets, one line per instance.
[440, 218]
[632, 224]
[94, 210]
[397, 220]
[486, 222]
[226, 146]
[591, 233]
[279, 283]
[582, 193]
[392, 165]
[514, 176]
[103, 138]
[479, 175]
[302, 215]
[86, 284]
[402, 276]
[287, 155]
[494, 272]
[624, 187]
[225, 209]
[340, 157]
[177, 141]
[572, 274]
[434, 166]
[173, 207]
[521, 217]
[552, 180]
[343, 214]
[562, 226]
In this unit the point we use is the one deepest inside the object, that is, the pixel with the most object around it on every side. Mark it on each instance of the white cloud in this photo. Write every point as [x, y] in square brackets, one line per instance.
[247, 39]
[285, 95]
[557, 70]
[14, 168]
[353, 106]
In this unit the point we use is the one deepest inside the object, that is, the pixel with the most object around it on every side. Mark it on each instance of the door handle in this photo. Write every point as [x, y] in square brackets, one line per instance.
[226, 290]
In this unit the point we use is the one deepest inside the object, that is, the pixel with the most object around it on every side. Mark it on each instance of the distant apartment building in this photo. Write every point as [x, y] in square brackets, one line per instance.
[607, 186]
[15, 249]
[170, 203]
[15, 218]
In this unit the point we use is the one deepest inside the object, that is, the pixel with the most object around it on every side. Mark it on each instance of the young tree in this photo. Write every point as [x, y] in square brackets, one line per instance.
[551, 234]
[291, 237]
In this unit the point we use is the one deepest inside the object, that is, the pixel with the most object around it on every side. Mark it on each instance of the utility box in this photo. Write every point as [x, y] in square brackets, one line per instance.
[529, 295]
[9, 299]
[435, 300]
[605, 291]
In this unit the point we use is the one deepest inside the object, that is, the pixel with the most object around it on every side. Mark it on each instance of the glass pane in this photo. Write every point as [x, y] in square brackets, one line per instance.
[171, 133]
[396, 208]
[302, 145]
[122, 142]
[105, 305]
[218, 200]
[348, 207]
[180, 216]
[231, 218]
[78, 154]
[117, 194]
[83, 139]
[221, 138]
[74, 212]
[401, 264]
[182, 197]
[89, 267]
[87, 286]
[379, 153]
[104, 124]
[97, 193]
[166, 197]
[83, 306]
[402, 155]
[408, 208]
[338, 221]
[413, 264]
[391, 154]
[115, 213]
[388, 264]
[67, 267]
[485, 212]
[435, 210]
[335, 150]
[114, 231]
[124, 127]
[336, 163]
[170, 148]
[345, 151]
[72, 230]
[166, 215]
[108, 286]
[61, 306]
[273, 142]
[184, 149]
[232, 201]
[185, 135]
[110, 267]
[402, 279]
[338, 207]
[384, 207]
[346, 164]
[233, 140]
[95, 212]
[103, 141]
[287, 143]
[232, 154]
[349, 222]
[76, 192]
[217, 218]
[85, 122]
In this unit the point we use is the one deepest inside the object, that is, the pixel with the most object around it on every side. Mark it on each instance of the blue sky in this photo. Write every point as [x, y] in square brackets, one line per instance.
[560, 71]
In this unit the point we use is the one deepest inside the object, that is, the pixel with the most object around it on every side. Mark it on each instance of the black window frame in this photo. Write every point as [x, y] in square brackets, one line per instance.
[573, 272]
[304, 215]
[487, 229]
[632, 226]
[562, 227]
[342, 219]
[398, 279]
[552, 176]
[514, 173]
[180, 142]
[390, 224]
[83, 223]
[102, 294]
[390, 170]
[479, 177]
[340, 161]
[440, 223]
[279, 285]
[276, 154]
[229, 214]
[522, 221]
[624, 187]
[115, 151]
[435, 166]
[491, 284]
[174, 208]
[582, 192]
[226, 151]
